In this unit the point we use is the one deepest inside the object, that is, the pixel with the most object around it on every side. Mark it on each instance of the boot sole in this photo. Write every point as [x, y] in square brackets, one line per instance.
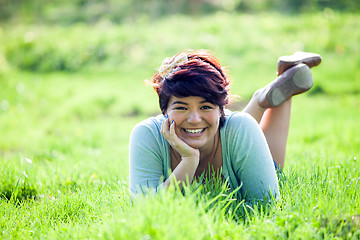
[299, 81]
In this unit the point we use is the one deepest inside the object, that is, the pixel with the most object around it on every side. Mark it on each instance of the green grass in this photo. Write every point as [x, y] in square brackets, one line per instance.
[64, 135]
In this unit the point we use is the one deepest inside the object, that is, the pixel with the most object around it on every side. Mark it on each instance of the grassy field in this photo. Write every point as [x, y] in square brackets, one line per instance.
[69, 97]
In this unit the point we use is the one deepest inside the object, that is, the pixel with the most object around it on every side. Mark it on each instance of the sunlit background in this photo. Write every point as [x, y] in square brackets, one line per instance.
[72, 87]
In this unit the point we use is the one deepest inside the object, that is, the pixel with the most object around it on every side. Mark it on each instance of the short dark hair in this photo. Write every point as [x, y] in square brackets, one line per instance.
[202, 76]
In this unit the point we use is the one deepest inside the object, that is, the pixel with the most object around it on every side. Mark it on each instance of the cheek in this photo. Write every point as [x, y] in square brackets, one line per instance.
[176, 117]
[214, 118]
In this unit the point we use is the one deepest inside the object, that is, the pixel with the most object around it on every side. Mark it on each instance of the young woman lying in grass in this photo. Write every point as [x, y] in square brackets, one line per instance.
[196, 133]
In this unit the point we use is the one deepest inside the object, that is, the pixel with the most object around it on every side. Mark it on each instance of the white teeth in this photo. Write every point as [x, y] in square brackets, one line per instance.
[194, 130]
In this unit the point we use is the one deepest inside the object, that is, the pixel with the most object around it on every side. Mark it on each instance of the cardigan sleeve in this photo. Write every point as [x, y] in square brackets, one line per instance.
[146, 168]
[251, 160]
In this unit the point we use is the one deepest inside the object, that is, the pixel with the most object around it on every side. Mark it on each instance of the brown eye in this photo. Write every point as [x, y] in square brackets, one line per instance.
[206, 107]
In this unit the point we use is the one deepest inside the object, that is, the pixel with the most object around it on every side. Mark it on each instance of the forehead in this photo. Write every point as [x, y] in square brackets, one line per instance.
[187, 100]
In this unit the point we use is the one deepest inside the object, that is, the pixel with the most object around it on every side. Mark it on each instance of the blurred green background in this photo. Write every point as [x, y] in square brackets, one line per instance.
[72, 72]
[72, 88]
[90, 11]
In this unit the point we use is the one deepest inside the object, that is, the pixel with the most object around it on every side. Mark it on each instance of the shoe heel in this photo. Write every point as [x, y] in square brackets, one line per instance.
[303, 78]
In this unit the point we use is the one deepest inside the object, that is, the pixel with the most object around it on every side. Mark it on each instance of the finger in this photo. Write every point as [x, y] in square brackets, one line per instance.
[174, 137]
[165, 130]
[172, 129]
[177, 143]
[164, 127]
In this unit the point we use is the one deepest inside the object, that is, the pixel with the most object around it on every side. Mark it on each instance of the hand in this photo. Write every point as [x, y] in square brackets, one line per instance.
[168, 131]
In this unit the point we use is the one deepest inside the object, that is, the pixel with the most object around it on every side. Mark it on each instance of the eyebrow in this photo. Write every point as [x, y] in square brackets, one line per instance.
[179, 102]
[184, 103]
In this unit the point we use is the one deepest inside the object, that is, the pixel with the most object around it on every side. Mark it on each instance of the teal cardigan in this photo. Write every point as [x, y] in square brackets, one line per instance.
[247, 160]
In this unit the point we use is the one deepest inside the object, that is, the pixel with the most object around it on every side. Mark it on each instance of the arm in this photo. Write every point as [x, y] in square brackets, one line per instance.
[190, 157]
[146, 153]
[253, 164]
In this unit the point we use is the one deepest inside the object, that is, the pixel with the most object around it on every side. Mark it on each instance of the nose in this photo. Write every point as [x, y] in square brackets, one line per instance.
[194, 117]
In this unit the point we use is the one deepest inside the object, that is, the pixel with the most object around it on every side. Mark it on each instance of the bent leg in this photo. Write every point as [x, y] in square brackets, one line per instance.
[253, 108]
[271, 105]
[275, 124]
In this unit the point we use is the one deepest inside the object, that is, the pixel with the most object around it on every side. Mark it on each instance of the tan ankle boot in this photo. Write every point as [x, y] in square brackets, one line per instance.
[286, 62]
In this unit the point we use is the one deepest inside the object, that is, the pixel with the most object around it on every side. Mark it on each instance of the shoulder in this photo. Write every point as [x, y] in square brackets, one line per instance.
[147, 129]
[239, 121]
[240, 128]
[149, 125]
[146, 138]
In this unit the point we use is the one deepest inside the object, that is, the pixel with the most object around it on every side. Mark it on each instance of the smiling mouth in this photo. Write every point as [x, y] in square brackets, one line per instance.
[194, 131]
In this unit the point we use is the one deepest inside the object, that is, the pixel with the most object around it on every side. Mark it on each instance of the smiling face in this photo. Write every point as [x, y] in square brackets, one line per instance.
[196, 120]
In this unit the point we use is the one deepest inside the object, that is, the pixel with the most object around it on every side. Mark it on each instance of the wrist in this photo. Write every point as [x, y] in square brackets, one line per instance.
[194, 157]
